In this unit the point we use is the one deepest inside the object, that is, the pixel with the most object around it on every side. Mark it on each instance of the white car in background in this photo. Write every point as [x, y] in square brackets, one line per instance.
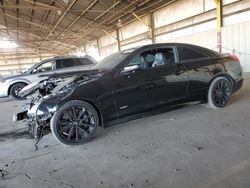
[12, 85]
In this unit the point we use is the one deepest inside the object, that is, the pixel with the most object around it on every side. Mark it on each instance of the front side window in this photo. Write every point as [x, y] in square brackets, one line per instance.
[154, 58]
[186, 53]
[44, 67]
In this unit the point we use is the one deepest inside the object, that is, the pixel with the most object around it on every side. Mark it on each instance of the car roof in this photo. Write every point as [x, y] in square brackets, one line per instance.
[158, 45]
[164, 44]
[65, 57]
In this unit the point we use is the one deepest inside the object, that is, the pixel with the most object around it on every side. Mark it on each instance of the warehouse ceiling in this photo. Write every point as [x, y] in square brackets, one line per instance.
[60, 26]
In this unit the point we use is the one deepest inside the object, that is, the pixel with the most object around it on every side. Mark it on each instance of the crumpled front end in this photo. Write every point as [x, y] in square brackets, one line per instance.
[37, 120]
[41, 107]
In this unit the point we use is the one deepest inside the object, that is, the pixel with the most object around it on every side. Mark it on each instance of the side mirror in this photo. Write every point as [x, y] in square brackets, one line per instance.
[34, 71]
[130, 68]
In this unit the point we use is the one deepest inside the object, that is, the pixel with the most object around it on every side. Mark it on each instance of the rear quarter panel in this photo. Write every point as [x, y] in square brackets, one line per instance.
[202, 72]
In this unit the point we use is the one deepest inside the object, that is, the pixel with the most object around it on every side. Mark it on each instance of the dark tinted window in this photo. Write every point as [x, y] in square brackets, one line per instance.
[83, 61]
[189, 54]
[65, 63]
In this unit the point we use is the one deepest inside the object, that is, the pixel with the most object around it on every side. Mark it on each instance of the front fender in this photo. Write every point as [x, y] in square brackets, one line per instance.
[48, 106]
[14, 81]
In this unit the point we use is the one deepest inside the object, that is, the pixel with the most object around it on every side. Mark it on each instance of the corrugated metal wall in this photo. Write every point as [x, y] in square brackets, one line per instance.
[189, 21]
[12, 65]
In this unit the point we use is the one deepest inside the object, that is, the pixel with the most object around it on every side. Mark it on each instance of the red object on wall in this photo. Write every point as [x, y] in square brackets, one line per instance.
[219, 41]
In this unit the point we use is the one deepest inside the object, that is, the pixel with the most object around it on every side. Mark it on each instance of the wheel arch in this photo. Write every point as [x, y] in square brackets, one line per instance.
[225, 75]
[97, 110]
[17, 82]
[92, 104]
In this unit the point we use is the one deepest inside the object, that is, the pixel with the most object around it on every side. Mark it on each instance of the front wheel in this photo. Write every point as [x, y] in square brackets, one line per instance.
[74, 123]
[15, 89]
[219, 92]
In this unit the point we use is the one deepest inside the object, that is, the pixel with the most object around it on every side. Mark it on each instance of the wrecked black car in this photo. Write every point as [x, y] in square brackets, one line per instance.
[38, 117]
[126, 84]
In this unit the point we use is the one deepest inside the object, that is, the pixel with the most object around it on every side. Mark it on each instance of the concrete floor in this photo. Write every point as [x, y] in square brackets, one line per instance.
[190, 147]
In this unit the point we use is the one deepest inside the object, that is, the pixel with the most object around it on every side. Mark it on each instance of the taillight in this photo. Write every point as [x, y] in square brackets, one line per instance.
[235, 58]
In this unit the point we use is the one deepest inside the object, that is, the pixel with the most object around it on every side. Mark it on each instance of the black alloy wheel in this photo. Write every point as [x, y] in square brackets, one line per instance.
[75, 123]
[221, 91]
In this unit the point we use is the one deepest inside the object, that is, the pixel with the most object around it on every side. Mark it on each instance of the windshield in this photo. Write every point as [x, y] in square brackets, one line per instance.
[111, 61]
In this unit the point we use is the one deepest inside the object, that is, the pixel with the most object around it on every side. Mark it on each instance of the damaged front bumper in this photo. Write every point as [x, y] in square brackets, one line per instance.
[38, 112]
[37, 117]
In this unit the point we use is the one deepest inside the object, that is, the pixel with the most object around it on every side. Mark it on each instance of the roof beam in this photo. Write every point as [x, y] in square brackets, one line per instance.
[5, 18]
[26, 21]
[110, 21]
[28, 7]
[46, 15]
[41, 4]
[37, 29]
[31, 40]
[48, 11]
[129, 11]
[59, 21]
[91, 22]
[17, 15]
[31, 17]
[114, 15]
[79, 16]
[56, 8]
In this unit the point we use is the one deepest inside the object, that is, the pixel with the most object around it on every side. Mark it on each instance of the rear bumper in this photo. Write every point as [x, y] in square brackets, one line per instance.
[238, 84]
[3, 90]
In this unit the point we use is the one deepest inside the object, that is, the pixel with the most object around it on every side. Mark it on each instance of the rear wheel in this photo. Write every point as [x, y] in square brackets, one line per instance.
[15, 89]
[219, 93]
[74, 123]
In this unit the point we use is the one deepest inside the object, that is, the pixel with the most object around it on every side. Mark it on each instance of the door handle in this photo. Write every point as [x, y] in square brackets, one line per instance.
[148, 86]
[179, 72]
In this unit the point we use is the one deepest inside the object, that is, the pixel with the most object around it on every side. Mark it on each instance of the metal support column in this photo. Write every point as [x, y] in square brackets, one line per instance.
[118, 40]
[85, 50]
[98, 46]
[152, 27]
[219, 22]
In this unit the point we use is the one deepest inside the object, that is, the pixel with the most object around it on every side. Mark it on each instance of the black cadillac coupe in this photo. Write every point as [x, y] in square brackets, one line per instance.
[131, 82]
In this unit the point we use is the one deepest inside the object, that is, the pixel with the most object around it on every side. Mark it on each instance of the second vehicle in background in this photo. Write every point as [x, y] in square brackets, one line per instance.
[12, 85]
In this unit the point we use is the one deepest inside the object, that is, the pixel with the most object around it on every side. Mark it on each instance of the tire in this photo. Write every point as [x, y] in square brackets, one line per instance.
[219, 92]
[74, 123]
[14, 90]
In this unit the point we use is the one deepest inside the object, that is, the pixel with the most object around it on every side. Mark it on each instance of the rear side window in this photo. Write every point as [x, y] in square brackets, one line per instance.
[83, 61]
[65, 63]
[189, 54]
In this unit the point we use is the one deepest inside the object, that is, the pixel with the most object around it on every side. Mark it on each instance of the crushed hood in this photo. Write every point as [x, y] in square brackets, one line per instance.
[73, 73]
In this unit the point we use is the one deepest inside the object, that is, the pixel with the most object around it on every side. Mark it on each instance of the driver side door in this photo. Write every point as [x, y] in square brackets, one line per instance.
[149, 86]
[131, 93]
